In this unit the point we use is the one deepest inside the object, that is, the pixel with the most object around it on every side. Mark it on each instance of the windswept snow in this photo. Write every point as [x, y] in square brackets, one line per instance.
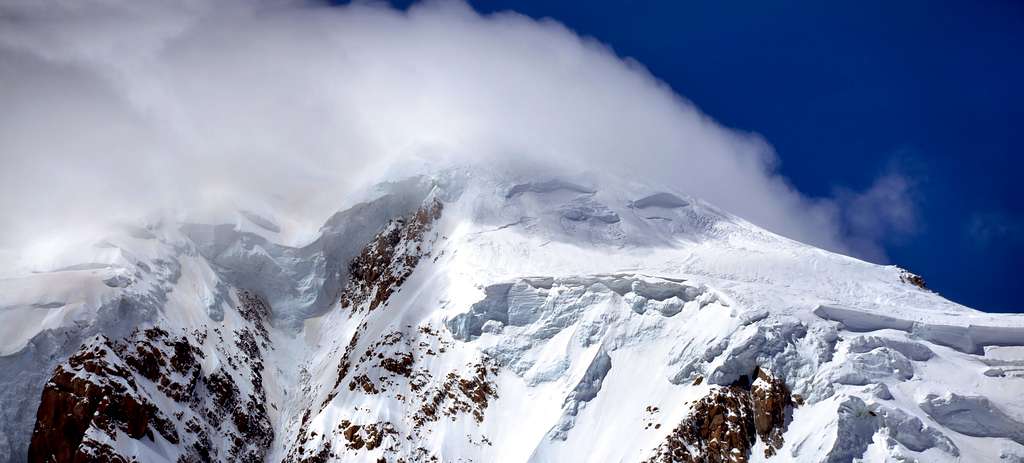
[474, 315]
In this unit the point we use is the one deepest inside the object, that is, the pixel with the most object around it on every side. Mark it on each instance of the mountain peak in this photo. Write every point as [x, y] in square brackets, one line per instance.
[477, 315]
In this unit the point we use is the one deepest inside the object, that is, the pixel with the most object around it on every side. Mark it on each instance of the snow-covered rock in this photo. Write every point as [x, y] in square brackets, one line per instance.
[475, 315]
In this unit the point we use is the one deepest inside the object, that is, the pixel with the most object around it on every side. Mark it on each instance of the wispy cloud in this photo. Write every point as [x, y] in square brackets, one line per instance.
[994, 227]
[885, 212]
[118, 109]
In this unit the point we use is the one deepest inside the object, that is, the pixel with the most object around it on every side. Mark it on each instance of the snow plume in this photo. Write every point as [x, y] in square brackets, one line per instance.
[116, 110]
[886, 211]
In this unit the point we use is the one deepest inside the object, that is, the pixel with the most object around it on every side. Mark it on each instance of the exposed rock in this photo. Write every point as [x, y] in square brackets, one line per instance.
[446, 400]
[111, 389]
[364, 383]
[255, 309]
[724, 425]
[399, 365]
[96, 388]
[369, 436]
[719, 423]
[912, 279]
[772, 402]
[415, 393]
[391, 368]
[346, 360]
[385, 263]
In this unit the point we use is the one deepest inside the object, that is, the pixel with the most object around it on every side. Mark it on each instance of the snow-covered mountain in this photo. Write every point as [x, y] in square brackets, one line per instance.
[477, 315]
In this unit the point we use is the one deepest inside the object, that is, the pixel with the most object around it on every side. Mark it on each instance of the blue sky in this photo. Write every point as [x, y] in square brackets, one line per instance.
[849, 91]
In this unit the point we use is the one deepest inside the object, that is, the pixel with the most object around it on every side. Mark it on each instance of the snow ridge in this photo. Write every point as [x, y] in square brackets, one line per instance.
[474, 315]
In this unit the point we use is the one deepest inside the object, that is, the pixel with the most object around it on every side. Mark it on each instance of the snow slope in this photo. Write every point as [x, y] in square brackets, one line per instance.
[474, 314]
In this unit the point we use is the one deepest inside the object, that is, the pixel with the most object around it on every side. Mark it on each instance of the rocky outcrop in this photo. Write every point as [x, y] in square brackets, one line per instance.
[395, 367]
[725, 424]
[772, 403]
[96, 390]
[459, 394]
[387, 261]
[113, 390]
[912, 279]
[718, 423]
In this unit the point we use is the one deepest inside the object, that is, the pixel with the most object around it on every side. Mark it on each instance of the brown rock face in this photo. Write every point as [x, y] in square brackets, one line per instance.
[374, 275]
[96, 388]
[913, 279]
[719, 423]
[459, 395]
[385, 263]
[393, 367]
[771, 401]
[724, 425]
[109, 390]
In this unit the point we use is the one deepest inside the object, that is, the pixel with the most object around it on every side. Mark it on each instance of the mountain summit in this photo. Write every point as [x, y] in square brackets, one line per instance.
[474, 315]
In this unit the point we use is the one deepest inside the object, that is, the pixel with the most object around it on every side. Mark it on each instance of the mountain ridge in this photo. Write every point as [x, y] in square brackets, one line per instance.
[471, 315]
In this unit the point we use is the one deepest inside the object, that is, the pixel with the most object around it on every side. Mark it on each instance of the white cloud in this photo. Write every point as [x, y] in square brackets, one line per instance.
[112, 110]
[887, 211]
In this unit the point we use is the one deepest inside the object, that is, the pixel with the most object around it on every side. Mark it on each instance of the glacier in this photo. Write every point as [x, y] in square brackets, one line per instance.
[476, 314]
